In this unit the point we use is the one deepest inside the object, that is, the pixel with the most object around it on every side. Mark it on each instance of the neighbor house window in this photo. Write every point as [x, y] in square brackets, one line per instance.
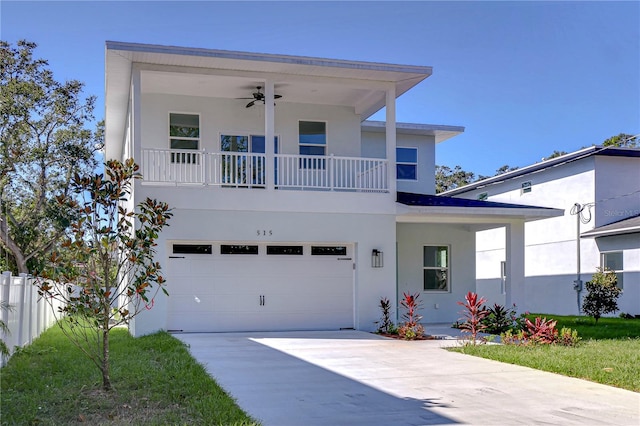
[435, 265]
[483, 196]
[614, 261]
[312, 137]
[184, 134]
[407, 163]
[526, 187]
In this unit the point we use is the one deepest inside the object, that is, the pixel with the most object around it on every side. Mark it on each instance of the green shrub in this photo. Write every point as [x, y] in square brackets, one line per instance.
[603, 293]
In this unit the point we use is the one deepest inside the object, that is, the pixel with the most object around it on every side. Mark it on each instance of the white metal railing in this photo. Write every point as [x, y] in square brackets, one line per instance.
[244, 169]
[28, 315]
[239, 169]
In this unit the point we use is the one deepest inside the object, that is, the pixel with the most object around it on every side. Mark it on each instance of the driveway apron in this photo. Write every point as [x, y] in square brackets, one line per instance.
[357, 378]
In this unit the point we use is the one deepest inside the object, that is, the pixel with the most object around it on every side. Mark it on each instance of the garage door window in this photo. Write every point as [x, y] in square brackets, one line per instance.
[329, 251]
[284, 250]
[238, 249]
[192, 248]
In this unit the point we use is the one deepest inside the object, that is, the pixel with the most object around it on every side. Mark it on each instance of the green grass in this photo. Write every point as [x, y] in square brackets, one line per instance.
[609, 352]
[607, 328]
[155, 381]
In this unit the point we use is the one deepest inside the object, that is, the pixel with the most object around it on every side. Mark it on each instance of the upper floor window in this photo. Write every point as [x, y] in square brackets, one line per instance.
[406, 163]
[435, 268]
[613, 260]
[313, 141]
[526, 187]
[483, 196]
[184, 134]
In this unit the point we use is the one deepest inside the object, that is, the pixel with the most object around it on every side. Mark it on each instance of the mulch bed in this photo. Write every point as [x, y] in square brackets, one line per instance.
[397, 337]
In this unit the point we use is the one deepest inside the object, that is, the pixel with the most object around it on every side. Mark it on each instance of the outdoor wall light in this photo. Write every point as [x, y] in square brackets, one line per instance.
[377, 259]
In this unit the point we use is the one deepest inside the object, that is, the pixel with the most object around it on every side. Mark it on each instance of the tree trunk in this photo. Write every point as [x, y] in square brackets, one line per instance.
[106, 380]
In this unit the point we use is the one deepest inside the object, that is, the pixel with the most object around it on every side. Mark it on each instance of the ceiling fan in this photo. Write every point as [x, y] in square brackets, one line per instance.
[258, 96]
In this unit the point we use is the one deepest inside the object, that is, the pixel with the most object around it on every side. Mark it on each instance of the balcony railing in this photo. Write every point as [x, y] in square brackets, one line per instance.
[249, 170]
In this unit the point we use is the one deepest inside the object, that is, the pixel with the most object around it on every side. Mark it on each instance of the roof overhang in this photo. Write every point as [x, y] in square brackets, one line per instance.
[439, 131]
[418, 208]
[626, 226]
[232, 74]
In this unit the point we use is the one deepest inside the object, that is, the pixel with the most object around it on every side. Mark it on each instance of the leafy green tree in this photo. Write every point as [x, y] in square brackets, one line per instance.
[555, 154]
[447, 178]
[504, 169]
[106, 266]
[602, 294]
[43, 142]
[622, 140]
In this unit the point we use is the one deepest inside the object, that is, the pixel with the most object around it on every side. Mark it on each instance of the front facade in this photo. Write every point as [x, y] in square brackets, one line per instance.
[599, 190]
[284, 196]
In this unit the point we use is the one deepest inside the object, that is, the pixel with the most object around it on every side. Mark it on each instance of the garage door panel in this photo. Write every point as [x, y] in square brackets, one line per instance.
[259, 292]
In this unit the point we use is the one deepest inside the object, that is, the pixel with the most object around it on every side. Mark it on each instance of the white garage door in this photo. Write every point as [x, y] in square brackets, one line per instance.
[260, 287]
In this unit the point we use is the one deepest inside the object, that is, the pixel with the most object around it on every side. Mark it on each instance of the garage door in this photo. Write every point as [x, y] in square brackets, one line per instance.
[260, 287]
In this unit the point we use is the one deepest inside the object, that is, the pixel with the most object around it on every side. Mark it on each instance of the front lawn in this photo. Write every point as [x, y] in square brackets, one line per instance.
[609, 352]
[155, 381]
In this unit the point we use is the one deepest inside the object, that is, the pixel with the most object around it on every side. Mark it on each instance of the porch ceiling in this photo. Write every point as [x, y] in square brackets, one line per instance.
[228, 74]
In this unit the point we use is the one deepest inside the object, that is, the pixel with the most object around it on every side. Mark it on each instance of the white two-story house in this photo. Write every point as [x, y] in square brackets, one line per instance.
[291, 211]
[599, 190]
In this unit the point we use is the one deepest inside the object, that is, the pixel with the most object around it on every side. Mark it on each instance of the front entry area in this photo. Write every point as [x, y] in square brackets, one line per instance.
[230, 286]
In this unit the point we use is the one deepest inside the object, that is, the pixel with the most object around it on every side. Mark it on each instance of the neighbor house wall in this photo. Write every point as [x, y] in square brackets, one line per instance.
[617, 185]
[629, 244]
[551, 244]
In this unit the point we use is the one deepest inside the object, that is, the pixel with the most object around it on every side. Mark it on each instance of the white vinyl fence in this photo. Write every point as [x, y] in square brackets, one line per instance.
[28, 317]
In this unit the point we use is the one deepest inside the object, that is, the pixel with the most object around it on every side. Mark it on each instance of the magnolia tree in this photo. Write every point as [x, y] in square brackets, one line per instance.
[104, 273]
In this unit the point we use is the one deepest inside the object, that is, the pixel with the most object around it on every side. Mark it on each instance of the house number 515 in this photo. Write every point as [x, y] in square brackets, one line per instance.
[264, 232]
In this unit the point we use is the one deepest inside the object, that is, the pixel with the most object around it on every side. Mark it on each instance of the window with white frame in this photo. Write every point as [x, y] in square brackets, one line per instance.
[614, 261]
[406, 163]
[526, 187]
[435, 263]
[184, 135]
[312, 138]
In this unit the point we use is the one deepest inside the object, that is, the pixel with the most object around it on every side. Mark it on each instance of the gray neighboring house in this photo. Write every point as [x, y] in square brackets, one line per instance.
[599, 189]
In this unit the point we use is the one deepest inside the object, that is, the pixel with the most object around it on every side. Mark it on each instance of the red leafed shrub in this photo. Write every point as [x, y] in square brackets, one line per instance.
[541, 331]
[473, 314]
[411, 328]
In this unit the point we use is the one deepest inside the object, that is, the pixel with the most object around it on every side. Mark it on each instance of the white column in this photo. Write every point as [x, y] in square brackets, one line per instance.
[391, 138]
[136, 109]
[514, 285]
[269, 132]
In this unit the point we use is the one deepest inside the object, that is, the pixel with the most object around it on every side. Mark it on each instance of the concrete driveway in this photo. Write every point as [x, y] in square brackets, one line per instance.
[357, 378]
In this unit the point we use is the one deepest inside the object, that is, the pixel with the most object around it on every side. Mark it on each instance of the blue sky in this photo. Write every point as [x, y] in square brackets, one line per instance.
[524, 78]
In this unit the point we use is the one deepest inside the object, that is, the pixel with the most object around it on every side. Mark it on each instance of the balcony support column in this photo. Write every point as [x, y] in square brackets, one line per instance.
[269, 133]
[136, 107]
[391, 138]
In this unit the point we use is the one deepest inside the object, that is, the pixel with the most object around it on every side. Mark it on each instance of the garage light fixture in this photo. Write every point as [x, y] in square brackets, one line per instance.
[377, 259]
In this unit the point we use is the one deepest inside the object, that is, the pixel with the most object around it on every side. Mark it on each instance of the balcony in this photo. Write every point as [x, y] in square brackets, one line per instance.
[249, 170]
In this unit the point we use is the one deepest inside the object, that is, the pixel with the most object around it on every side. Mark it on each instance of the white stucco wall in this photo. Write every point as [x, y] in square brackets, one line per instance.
[366, 232]
[373, 145]
[223, 116]
[411, 240]
[617, 189]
